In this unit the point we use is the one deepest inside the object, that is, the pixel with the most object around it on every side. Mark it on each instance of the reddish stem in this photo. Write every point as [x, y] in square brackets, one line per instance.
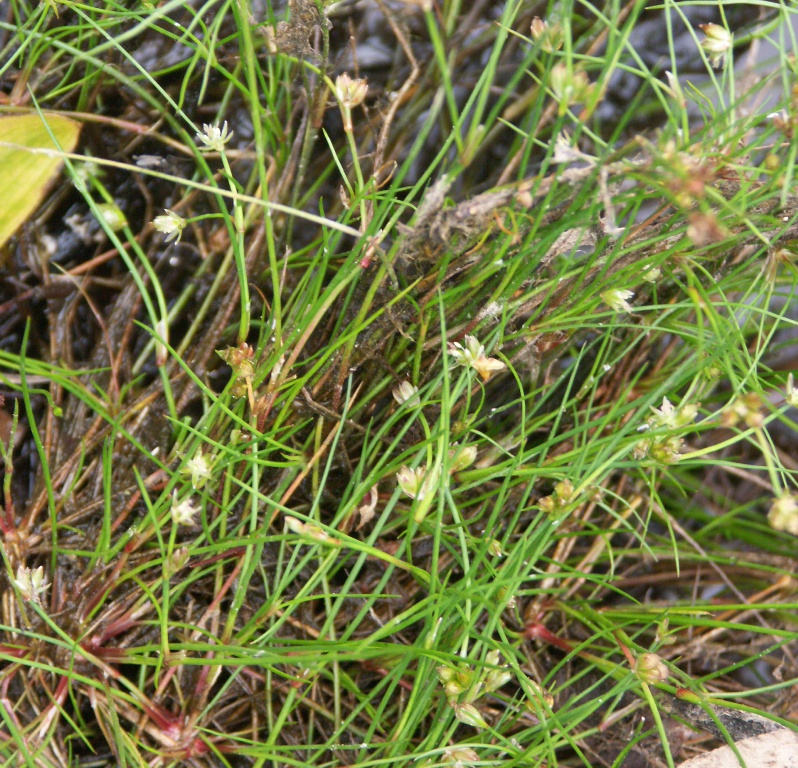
[536, 631]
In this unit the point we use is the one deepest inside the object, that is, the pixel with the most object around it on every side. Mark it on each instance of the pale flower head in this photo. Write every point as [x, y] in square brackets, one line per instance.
[213, 138]
[455, 680]
[182, 512]
[652, 274]
[618, 299]
[717, 42]
[497, 677]
[178, 559]
[30, 583]
[199, 468]
[783, 515]
[88, 170]
[311, 530]
[459, 757]
[171, 225]
[570, 86]
[651, 669]
[550, 36]
[472, 355]
[417, 483]
[406, 394]
[671, 417]
[350, 91]
[792, 391]
[566, 154]
[664, 452]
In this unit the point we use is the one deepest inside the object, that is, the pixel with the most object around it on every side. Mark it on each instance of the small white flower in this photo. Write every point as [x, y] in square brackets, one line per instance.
[171, 225]
[671, 417]
[652, 275]
[665, 416]
[182, 511]
[496, 678]
[214, 138]
[792, 391]
[472, 355]
[565, 153]
[717, 42]
[618, 299]
[199, 468]
[416, 483]
[406, 394]
[350, 91]
[30, 583]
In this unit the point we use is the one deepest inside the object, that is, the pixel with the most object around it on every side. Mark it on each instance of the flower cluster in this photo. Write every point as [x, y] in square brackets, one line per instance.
[171, 225]
[31, 583]
[240, 360]
[717, 43]
[472, 355]
[618, 299]
[463, 686]
[570, 86]
[549, 36]
[406, 394]
[745, 408]
[182, 512]
[417, 483]
[350, 92]
[671, 417]
[651, 669]
[783, 515]
[666, 449]
[199, 469]
[213, 138]
[559, 499]
[459, 757]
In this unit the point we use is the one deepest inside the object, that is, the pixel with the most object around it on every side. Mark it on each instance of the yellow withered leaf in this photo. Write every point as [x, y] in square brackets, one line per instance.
[25, 169]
